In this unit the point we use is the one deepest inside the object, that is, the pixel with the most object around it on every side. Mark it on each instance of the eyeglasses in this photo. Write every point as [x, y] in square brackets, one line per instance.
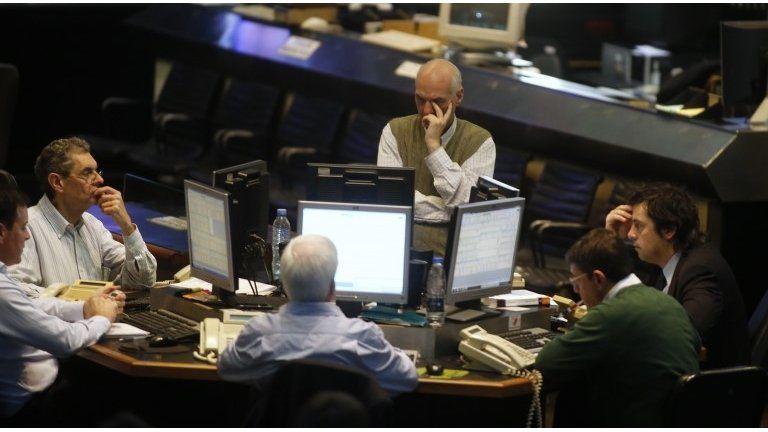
[573, 279]
[90, 176]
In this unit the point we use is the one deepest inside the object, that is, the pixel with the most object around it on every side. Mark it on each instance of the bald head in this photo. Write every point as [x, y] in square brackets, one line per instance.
[438, 82]
[442, 72]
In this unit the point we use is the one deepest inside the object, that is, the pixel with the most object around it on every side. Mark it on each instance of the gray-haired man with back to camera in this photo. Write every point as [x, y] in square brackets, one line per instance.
[312, 326]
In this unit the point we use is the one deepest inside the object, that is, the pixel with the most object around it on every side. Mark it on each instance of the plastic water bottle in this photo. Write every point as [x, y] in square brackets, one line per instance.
[281, 234]
[436, 293]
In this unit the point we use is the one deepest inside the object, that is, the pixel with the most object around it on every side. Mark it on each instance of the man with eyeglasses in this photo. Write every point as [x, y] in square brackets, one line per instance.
[616, 367]
[66, 243]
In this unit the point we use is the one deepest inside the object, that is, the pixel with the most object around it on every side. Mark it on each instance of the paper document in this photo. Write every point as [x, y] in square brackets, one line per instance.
[121, 330]
[519, 297]
[244, 287]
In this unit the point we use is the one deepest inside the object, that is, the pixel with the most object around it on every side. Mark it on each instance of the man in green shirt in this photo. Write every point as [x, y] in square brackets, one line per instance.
[618, 365]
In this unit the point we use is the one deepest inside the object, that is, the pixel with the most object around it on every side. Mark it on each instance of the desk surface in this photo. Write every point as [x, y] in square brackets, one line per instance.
[167, 238]
[184, 366]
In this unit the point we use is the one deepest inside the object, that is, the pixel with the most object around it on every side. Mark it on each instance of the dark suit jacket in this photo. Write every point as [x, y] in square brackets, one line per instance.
[706, 287]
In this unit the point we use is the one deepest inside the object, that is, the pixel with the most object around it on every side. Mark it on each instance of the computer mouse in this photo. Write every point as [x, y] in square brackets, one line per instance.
[161, 341]
[434, 369]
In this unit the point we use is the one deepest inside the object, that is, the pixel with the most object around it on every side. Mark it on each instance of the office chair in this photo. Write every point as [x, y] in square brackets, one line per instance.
[729, 397]
[306, 134]
[176, 133]
[243, 124]
[564, 193]
[510, 166]
[7, 179]
[301, 387]
[9, 89]
[361, 139]
[758, 333]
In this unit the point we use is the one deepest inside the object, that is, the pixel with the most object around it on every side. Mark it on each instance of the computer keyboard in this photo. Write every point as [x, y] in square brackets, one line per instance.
[171, 222]
[532, 339]
[401, 41]
[164, 323]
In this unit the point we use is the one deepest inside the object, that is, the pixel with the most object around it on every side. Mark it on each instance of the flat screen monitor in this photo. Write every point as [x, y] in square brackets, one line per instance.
[482, 246]
[210, 235]
[488, 189]
[360, 183]
[481, 25]
[373, 245]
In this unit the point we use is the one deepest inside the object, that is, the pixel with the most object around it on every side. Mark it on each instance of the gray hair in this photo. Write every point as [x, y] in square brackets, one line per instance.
[55, 158]
[455, 72]
[307, 268]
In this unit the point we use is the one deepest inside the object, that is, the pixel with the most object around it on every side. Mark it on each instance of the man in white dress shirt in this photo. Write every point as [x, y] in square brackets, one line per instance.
[34, 332]
[66, 242]
[448, 154]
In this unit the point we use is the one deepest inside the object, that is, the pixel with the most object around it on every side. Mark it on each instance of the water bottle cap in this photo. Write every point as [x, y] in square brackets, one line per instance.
[282, 212]
[437, 260]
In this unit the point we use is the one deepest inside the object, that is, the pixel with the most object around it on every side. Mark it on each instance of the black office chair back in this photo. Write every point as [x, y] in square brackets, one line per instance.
[361, 140]
[563, 193]
[311, 122]
[188, 90]
[510, 166]
[247, 105]
[758, 333]
[729, 397]
[9, 88]
[7, 179]
[296, 384]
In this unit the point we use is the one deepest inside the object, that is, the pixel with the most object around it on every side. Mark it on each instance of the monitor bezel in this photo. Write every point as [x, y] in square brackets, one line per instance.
[226, 283]
[408, 173]
[478, 37]
[453, 242]
[341, 295]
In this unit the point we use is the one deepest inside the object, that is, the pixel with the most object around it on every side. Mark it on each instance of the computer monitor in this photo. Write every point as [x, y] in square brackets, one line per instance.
[249, 185]
[482, 246]
[209, 232]
[360, 183]
[488, 189]
[482, 26]
[373, 245]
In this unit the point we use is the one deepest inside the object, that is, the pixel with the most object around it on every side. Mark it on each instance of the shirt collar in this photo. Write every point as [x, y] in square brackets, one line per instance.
[312, 308]
[449, 133]
[3, 268]
[620, 285]
[55, 218]
[669, 269]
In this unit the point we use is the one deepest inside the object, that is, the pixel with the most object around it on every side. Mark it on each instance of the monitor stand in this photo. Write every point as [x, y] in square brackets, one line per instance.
[247, 302]
[468, 311]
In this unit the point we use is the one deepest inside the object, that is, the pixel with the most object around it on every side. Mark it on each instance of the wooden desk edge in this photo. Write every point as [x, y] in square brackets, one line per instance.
[125, 364]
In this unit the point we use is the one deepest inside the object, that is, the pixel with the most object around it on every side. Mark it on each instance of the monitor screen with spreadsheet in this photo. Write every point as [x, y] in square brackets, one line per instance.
[210, 234]
[373, 245]
[481, 250]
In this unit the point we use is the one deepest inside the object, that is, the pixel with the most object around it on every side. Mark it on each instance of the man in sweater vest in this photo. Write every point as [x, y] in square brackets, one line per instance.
[618, 364]
[448, 154]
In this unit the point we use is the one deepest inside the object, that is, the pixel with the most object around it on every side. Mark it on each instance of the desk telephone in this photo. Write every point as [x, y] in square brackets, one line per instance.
[215, 335]
[487, 352]
[81, 289]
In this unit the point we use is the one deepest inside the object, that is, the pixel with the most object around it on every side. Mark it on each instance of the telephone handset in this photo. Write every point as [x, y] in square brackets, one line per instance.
[215, 335]
[81, 289]
[485, 351]
[183, 274]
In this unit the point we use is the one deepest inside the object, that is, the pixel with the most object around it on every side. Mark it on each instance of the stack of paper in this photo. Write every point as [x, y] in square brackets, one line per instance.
[244, 287]
[518, 297]
[123, 330]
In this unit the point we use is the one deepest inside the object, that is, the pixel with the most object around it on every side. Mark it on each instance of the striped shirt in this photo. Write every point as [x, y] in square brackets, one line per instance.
[58, 251]
[453, 182]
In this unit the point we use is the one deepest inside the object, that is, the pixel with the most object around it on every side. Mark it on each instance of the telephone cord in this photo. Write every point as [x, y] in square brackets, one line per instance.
[537, 380]
[209, 358]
